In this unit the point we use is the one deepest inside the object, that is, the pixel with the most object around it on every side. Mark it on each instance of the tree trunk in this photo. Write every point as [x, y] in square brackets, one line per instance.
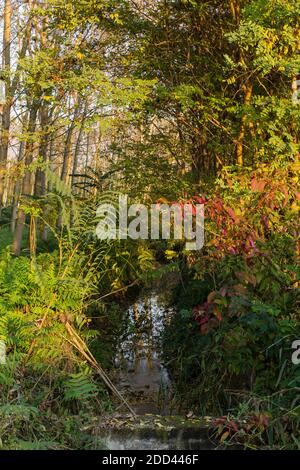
[40, 178]
[77, 148]
[64, 176]
[7, 107]
[68, 147]
[18, 183]
[26, 185]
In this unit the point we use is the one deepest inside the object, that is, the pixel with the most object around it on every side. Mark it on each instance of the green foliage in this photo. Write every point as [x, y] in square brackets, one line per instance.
[80, 387]
[38, 296]
[238, 309]
[169, 97]
[23, 427]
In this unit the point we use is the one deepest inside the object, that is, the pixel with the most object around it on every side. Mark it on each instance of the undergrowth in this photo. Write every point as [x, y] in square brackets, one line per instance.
[229, 346]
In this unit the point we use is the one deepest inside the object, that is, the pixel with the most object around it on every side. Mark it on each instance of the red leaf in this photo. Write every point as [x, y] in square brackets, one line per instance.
[232, 214]
[258, 186]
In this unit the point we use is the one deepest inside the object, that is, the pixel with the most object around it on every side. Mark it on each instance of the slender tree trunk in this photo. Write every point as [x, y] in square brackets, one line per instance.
[78, 144]
[40, 178]
[86, 160]
[18, 183]
[51, 145]
[12, 86]
[68, 147]
[66, 168]
[26, 184]
[7, 107]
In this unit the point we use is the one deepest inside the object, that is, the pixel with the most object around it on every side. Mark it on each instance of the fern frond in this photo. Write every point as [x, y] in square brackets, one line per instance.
[80, 387]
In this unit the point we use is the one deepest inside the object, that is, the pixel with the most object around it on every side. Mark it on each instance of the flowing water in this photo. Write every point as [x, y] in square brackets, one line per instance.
[144, 380]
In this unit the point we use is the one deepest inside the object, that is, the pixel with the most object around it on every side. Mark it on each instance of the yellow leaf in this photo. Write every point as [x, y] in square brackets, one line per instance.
[170, 254]
[224, 436]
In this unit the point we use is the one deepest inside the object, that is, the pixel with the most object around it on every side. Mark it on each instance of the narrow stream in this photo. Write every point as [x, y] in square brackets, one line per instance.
[144, 380]
[143, 376]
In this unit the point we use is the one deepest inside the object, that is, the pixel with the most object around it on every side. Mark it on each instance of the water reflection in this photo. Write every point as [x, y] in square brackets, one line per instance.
[142, 373]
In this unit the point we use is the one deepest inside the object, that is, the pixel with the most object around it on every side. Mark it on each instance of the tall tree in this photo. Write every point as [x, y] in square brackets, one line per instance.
[6, 64]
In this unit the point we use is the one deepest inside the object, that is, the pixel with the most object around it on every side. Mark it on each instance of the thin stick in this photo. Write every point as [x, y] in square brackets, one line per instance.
[81, 346]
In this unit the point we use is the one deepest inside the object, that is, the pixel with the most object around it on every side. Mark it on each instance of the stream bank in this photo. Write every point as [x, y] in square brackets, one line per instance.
[155, 432]
[143, 379]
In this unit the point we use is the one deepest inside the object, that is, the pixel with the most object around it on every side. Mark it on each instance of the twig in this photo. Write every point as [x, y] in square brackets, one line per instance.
[81, 346]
